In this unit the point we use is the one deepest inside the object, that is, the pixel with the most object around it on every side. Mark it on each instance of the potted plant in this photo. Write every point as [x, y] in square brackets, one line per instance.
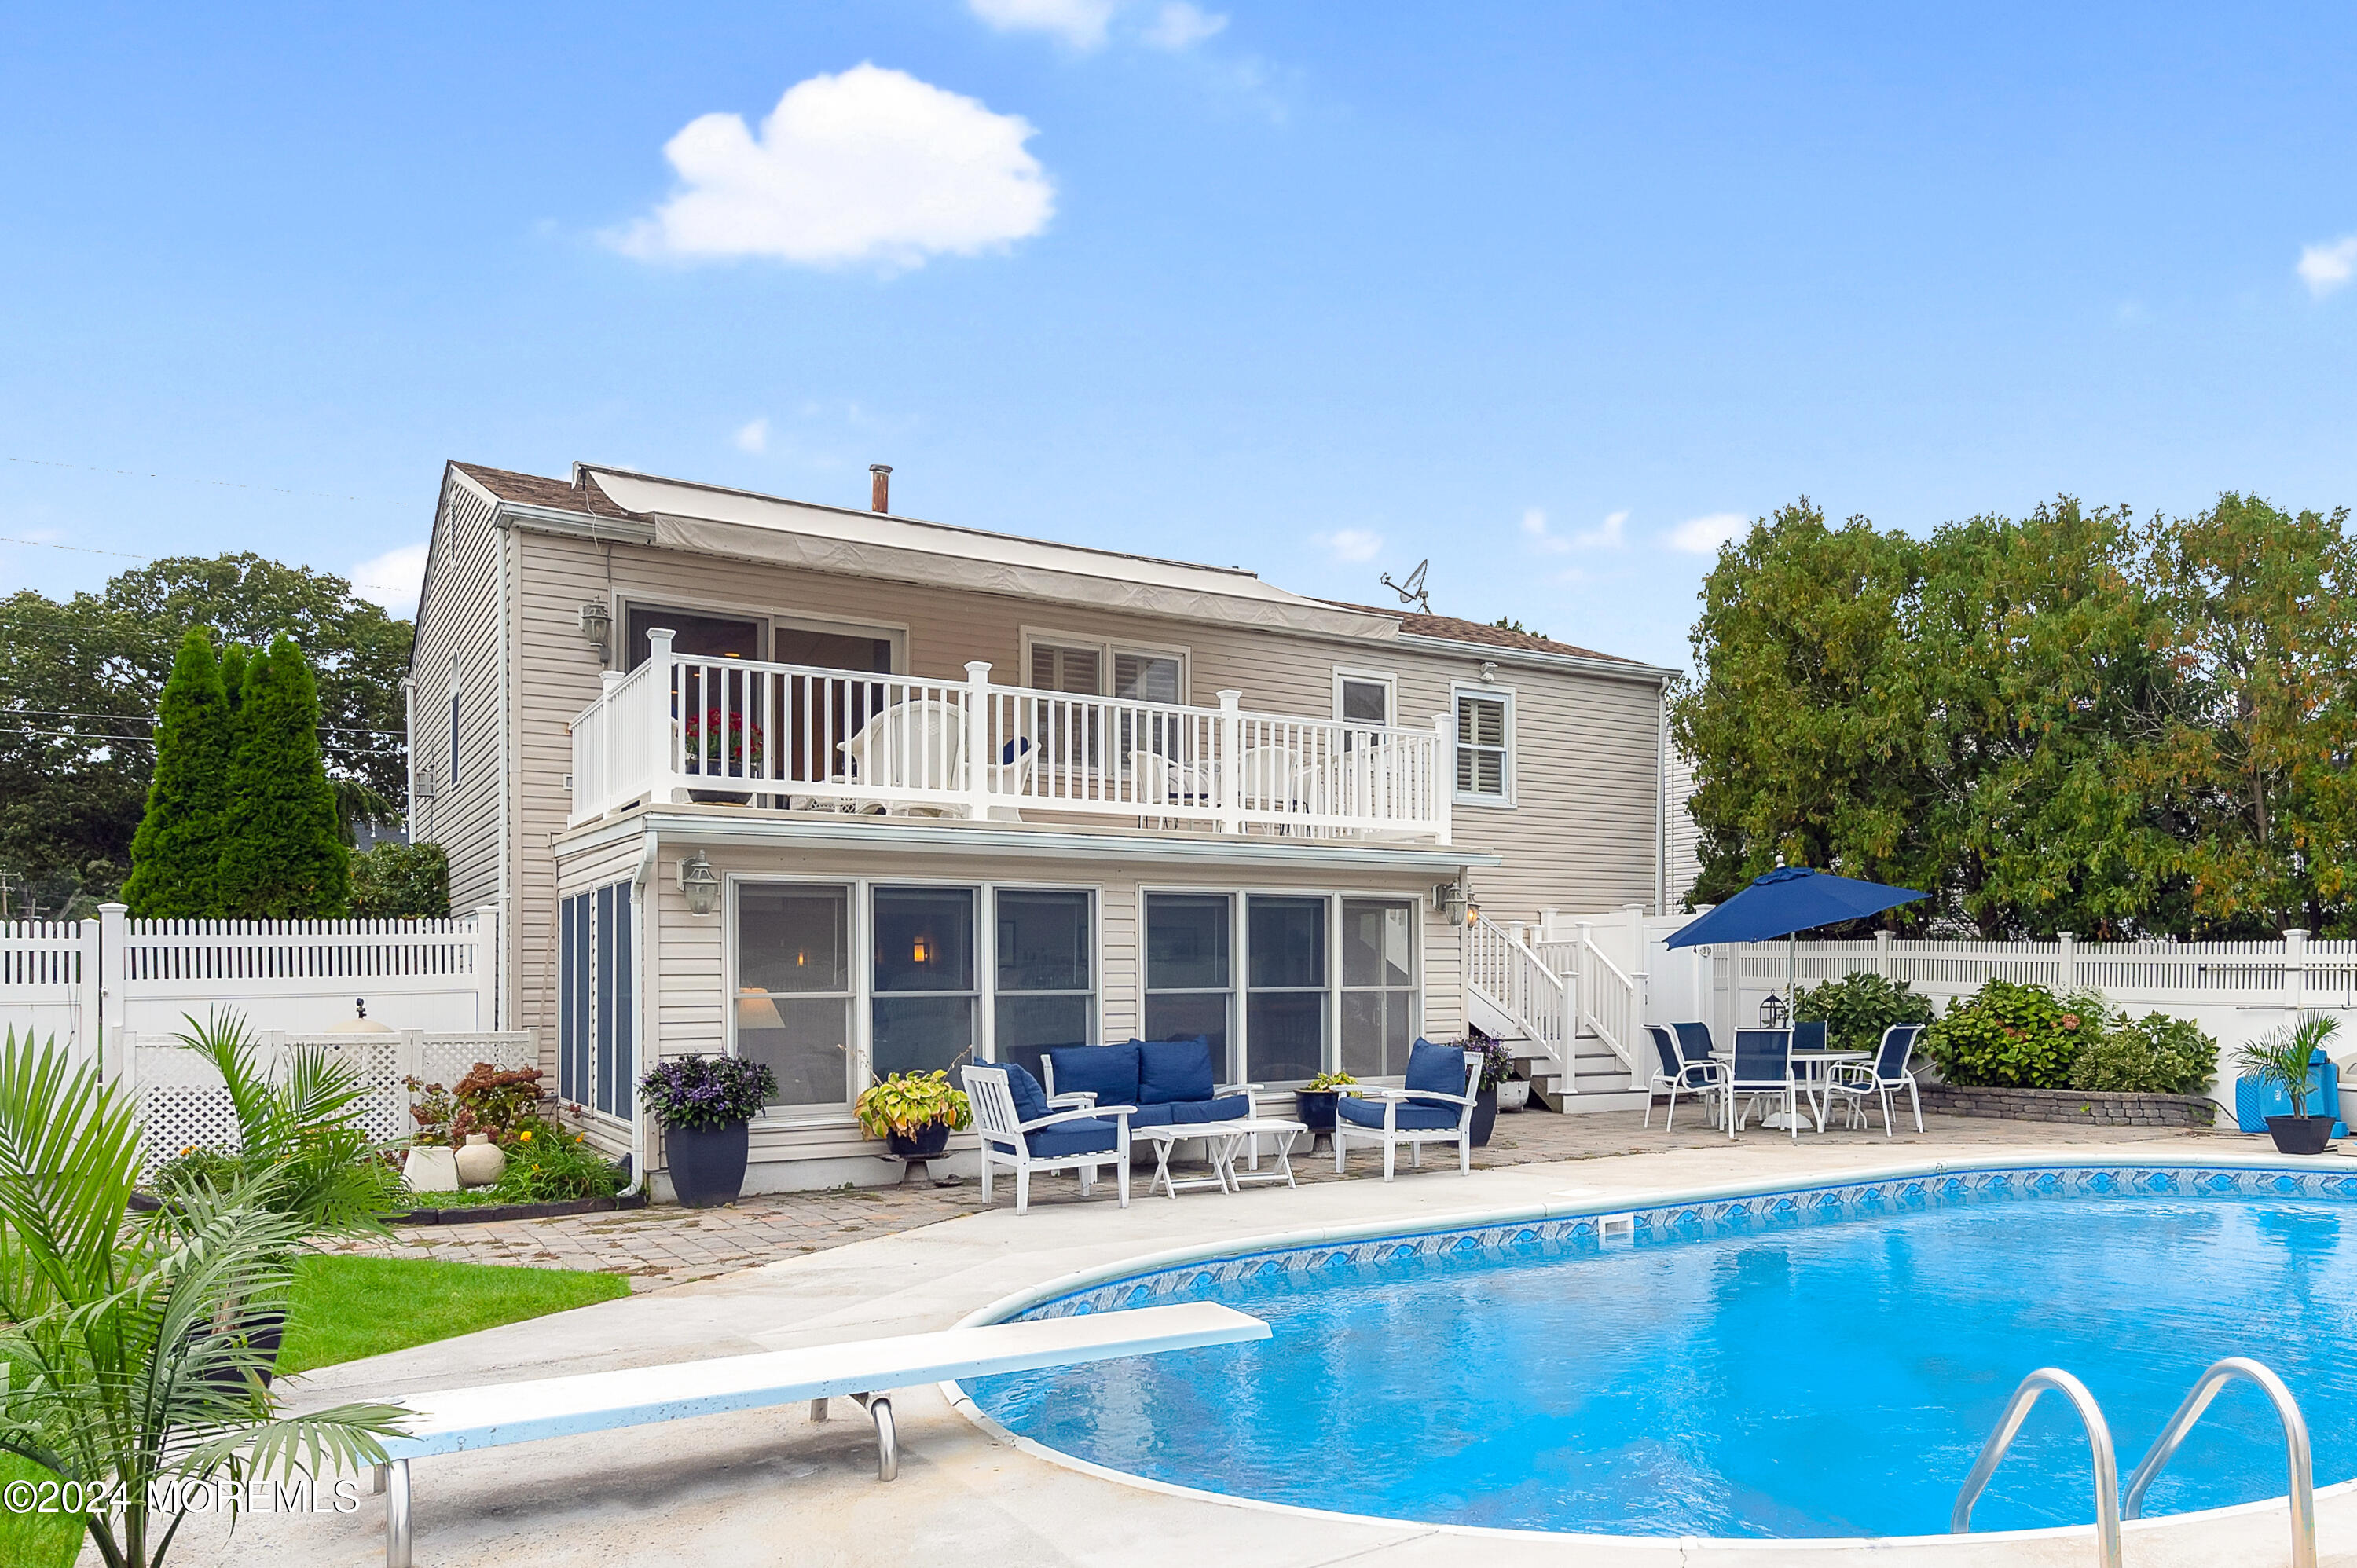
[704, 1104]
[1314, 1103]
[2286, 1057]
[1497, 1067]
[1513, 1094]
[914, 1113]
[727, 744]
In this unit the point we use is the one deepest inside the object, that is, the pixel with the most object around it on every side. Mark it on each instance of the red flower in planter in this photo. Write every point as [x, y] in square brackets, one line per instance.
[714, 738]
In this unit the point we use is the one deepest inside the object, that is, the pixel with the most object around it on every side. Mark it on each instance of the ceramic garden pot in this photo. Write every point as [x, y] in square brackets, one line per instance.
[481, 1163]
[430, 1167]
[929, 1141]
[1514, 1095]
[1485, 1117]
[707, 1164]
[1314, 1109]
[2301, 1135]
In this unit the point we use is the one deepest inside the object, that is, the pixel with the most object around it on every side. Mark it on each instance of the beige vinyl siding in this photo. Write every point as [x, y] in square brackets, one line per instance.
[458, 619]
[1581, 836]
[690, 951]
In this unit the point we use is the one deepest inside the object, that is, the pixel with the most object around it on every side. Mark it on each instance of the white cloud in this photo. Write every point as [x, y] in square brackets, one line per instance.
[1535, 525]
[1080, 23]
[392, 579]
[2328, 268]
[1703, 535]
[872, 165]
[1178, 26]
[753, 435]
[1606, 535]
[1349, 543]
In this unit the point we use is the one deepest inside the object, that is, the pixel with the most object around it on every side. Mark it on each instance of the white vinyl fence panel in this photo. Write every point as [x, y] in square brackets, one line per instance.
[50, 983]
[77, 980]
[184, 1105]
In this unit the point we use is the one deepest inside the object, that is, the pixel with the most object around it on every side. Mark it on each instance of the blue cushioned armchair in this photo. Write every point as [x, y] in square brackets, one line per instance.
[1433, 1105]
[1017, 1130]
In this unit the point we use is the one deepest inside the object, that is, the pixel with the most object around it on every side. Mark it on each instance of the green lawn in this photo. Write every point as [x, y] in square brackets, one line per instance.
[345, 1308]
[349, 1307]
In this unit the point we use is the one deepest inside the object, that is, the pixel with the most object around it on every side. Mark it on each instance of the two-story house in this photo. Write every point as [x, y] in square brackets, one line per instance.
[851, 793]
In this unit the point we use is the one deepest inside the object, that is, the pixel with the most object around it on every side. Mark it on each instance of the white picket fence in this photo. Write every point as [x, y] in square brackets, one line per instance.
[78, 981]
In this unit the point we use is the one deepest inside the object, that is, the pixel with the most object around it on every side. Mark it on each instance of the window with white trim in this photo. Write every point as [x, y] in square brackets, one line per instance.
[1379, 989]
[1363, 697]
[596, 1055]
[1189, 981]
[1047, 981]
[793, 991]
[1485, 747]
[927, 982]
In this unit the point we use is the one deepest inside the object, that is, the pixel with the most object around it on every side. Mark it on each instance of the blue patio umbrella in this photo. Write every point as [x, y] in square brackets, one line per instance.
[1787, 901]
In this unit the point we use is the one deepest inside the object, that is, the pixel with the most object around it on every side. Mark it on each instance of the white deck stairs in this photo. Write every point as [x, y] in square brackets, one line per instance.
[1565, 1010]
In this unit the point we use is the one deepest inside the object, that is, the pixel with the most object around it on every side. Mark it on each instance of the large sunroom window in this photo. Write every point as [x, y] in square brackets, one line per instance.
[1047, 985]
[1284, 1004]
[1190, 981]
[793, 988]
[925, 976]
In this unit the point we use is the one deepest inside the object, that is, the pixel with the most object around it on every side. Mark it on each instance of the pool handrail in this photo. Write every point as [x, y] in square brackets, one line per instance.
[2099, 1445]
[2297, 1460]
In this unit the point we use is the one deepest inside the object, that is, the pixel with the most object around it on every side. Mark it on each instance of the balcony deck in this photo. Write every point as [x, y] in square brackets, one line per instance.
[788, 738]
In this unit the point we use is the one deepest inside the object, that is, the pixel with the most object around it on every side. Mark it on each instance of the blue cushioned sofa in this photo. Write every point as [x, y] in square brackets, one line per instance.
[1168, 1082]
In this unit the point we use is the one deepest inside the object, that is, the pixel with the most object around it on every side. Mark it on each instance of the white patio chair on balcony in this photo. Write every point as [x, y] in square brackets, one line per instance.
[1156, 781]
[909, 746]
[1017, 1130]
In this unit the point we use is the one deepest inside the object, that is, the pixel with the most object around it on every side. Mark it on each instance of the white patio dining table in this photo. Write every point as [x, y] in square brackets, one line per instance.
[1817, 1061]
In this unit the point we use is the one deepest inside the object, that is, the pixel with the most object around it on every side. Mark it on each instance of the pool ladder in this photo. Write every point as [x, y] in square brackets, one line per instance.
[2109, 1507]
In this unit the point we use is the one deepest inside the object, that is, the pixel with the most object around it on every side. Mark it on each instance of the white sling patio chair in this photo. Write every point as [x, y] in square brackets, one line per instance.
[1018, 1130]
[1418, 1114]
[1856, 1082]
[911, 746]
[1677, 1076]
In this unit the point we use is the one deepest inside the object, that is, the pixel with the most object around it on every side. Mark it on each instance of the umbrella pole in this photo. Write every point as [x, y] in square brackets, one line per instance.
[1792, 973]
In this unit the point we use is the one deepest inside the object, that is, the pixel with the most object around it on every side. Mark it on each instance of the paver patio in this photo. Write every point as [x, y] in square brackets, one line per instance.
[663, 1246]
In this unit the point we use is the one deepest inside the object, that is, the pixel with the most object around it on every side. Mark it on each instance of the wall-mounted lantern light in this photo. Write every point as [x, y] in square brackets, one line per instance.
[1449, 903]
[699, 884]
[596, 623]
[1774, 1012]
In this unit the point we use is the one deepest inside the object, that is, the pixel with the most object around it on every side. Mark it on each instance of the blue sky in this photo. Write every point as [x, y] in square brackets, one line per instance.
[1546, 293]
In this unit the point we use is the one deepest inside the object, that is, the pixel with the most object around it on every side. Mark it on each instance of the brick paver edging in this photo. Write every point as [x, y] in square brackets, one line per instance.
[2074, 1106]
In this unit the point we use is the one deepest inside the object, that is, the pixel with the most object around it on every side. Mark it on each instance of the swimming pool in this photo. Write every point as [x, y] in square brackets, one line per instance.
[1804, 1363]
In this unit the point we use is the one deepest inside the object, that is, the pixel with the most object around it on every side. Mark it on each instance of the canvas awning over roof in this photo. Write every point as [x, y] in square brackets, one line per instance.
[871, 544]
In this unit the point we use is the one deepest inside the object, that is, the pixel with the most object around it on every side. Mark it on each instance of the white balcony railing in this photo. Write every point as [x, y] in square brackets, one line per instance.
[797, 737]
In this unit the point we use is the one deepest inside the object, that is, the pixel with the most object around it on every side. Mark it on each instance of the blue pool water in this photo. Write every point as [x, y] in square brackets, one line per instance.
[1787, 1376]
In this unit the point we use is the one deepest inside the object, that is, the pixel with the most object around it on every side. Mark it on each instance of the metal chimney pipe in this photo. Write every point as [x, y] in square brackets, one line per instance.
[879, 489]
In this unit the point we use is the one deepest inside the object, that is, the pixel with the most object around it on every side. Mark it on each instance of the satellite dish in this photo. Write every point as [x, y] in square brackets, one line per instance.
[1412, 591]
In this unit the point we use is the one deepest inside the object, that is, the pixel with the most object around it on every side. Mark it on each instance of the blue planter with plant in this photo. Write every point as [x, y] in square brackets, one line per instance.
[1497, 1067]
[2286, 1058]
[704, 1105]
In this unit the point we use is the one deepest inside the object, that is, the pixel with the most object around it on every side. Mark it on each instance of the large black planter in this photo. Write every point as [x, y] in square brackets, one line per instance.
[707, 1164]
[929, 1142]
[1485, 1117]
[2301, 1135]
[1314, 1109]
[265, 1330]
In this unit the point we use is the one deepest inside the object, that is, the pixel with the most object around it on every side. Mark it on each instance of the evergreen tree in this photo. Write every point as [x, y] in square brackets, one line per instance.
[233, 656]
[284, 859]
[176, 849]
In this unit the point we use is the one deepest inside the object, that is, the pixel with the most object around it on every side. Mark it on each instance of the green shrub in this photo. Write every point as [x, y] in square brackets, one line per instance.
[2152, 1055]
[549, 1164]
[199, 1168]
[2011, 1036]
[401, 882]
[1856, 1008]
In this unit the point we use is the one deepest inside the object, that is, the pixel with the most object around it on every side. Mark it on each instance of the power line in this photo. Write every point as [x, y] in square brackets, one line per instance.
[86, 736]
[127, 555]
[150, 718]
[175, 479]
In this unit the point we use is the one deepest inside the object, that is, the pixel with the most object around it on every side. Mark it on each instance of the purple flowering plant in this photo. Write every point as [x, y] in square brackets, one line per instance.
[707, 1091]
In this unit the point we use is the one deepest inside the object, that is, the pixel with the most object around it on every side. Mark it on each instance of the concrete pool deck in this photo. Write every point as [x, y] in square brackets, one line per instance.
[774, 1487]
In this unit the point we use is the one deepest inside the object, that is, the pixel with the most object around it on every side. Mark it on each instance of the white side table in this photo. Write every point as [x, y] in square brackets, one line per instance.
[1282, 1133]
[1221, 1140]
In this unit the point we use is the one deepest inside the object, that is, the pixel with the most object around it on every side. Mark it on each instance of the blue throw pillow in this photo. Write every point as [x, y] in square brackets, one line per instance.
[1435, 1069]
[1109, 1072]
[1030, 1099]
[1169, 1071]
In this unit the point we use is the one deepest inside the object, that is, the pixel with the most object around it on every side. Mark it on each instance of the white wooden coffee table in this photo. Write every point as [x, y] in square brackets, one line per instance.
[1221, 1140]
[1283, 1133]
